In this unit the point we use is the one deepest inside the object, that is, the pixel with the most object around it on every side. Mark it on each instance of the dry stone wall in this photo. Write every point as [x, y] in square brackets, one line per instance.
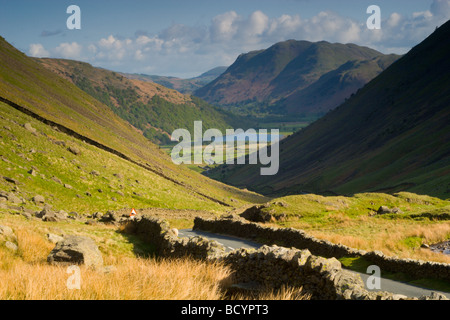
[290, 237]
[319, 277]
[158, 233]
[269, 266]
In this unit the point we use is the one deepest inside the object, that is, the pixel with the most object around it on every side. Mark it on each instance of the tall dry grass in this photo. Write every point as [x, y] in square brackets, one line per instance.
[284, 293]
[26, 275]
[133, 279]
[390, 239]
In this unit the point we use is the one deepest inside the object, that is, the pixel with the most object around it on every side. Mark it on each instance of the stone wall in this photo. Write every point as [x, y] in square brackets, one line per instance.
[290, 237]
[321, 278]
[270, 267]
[166, 242]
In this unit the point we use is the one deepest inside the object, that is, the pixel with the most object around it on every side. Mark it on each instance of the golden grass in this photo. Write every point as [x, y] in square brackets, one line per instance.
[133, 279]
[33, 248]
[284, 293]
[389, 237]
[26, 275]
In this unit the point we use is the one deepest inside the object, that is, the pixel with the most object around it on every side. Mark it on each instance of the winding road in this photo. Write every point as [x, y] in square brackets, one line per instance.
[231, 243]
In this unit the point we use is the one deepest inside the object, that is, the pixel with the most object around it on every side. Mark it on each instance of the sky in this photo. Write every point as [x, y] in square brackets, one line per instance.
[185, 38]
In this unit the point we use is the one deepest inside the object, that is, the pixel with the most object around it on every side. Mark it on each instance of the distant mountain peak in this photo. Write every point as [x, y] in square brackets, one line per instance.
[212, 74]
[267, 78]
[185, 86]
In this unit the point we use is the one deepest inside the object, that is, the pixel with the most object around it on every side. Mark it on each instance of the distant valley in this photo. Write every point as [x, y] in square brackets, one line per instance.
[185, 86]
[392, 135]
[152, 108]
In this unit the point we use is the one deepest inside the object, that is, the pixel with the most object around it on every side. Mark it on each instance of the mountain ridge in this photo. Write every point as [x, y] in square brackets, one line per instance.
[266, 79]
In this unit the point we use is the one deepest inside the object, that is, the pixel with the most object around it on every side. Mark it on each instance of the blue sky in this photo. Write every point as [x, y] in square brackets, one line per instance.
[187, 37]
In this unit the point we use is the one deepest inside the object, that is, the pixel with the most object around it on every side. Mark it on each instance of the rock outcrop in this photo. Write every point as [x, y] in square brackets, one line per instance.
[8, 238]
[257, 214]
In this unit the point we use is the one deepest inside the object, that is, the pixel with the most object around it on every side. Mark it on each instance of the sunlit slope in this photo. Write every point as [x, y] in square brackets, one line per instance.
[26, 83]
[38, 158]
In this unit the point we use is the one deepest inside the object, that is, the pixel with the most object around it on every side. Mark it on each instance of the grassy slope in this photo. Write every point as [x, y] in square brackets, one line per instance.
[393, 135]
[130, 185]
[352, 221]
[155, 110]
[319, 58]
[27, 83]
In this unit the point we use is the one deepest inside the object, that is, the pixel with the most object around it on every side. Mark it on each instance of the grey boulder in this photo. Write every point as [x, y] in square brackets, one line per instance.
[76, 250]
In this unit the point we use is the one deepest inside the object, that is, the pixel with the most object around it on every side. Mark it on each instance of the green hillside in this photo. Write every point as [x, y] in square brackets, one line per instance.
[298, 78]
[38, 159]
[155, 110]
[29, 87]
[393, 135]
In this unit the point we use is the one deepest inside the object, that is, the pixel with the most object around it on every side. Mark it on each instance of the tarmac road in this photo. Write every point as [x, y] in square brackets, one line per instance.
[231, 243]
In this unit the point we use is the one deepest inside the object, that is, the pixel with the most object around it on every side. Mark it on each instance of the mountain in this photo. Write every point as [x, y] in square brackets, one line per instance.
[47, 98]
[152, 108]
[295, 77]
[185, 86]
[392, 135]
[210, 75]
[338, 85]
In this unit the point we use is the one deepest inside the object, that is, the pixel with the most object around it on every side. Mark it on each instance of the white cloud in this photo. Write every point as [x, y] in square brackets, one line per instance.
[441, 8]
[92, 49]
[38, 50]
[224, 26]
[394, 20]
[256, 25]
[113, 49]
[110, 43]
[423, 14]
[399, 33]
[139, 56]
[143, 40]
[68, 50]
[181, 49]
[351, 32]
[284, 25]
[331, 27]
